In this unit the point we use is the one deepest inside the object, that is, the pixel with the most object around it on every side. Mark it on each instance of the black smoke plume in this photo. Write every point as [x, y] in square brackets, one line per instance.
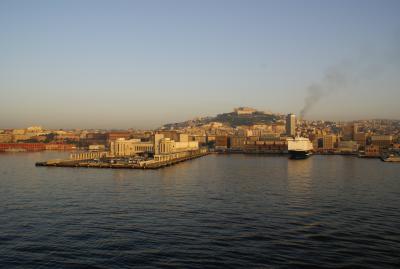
[333, 79]
[368, 66]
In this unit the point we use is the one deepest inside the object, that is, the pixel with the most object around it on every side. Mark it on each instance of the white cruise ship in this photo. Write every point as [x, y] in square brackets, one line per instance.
[299, 147]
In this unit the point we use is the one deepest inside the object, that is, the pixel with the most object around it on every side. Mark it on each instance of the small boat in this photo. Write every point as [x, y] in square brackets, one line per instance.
[391, 157]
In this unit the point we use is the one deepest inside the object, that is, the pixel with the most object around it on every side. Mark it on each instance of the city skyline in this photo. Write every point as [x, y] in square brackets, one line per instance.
[101, 64]
[214, 117]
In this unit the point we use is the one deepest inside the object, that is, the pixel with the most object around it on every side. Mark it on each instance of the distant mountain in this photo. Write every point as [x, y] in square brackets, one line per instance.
[232, 119]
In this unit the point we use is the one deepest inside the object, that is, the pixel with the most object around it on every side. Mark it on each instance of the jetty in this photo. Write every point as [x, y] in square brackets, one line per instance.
[110, 163]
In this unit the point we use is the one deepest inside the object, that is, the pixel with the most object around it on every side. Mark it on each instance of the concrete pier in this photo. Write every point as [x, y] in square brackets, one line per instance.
[89, 164]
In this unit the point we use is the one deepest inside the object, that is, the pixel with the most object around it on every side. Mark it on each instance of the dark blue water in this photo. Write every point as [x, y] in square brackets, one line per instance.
[222, 211]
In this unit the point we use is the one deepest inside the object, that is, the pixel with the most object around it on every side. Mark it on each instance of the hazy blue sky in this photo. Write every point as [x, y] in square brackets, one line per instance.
[120, 64]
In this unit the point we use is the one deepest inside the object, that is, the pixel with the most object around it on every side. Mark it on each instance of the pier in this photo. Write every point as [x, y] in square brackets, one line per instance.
[103, 164]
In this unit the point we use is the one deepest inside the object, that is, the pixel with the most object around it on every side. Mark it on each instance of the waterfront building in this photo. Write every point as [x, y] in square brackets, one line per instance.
[22, 146]
[291, 125]
[372, 151]
[6, 138]
[237, 142]
[131, 147]
[156, 139]
[383, 141]
[221, 142]
[278, 146]
[348, 146]
[329, 142]
[167, 146]
[167, 149]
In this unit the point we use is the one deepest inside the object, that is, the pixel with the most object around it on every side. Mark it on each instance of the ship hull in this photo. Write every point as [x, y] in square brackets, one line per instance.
[299, 155]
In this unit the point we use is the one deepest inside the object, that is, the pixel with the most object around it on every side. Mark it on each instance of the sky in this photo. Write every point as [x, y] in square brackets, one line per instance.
[141, 64]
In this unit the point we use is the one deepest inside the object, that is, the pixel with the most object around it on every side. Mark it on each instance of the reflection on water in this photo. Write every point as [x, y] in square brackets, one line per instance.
[299, 175]
[219, 211]
[120, 175]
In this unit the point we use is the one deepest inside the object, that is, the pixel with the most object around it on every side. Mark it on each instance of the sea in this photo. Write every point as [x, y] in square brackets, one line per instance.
[218, 211]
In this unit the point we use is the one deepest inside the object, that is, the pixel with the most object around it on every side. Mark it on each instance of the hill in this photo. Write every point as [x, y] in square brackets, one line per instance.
[232, 119]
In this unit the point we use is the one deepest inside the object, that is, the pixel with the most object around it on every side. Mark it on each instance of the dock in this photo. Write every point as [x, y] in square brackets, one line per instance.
[91, 164]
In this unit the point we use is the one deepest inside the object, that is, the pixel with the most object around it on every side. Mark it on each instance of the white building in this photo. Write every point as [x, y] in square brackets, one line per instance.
[347, 146]
[131, 147]
[166, 149]
[245, 110]
[35, 129]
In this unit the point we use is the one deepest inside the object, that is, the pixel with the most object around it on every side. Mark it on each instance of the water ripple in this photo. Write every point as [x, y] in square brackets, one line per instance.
[215, 212]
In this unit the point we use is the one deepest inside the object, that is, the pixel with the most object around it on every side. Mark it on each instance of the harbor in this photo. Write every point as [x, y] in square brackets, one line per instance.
[196, 190]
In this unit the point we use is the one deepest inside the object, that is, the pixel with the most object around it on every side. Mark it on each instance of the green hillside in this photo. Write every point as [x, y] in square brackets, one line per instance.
[232, 119]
